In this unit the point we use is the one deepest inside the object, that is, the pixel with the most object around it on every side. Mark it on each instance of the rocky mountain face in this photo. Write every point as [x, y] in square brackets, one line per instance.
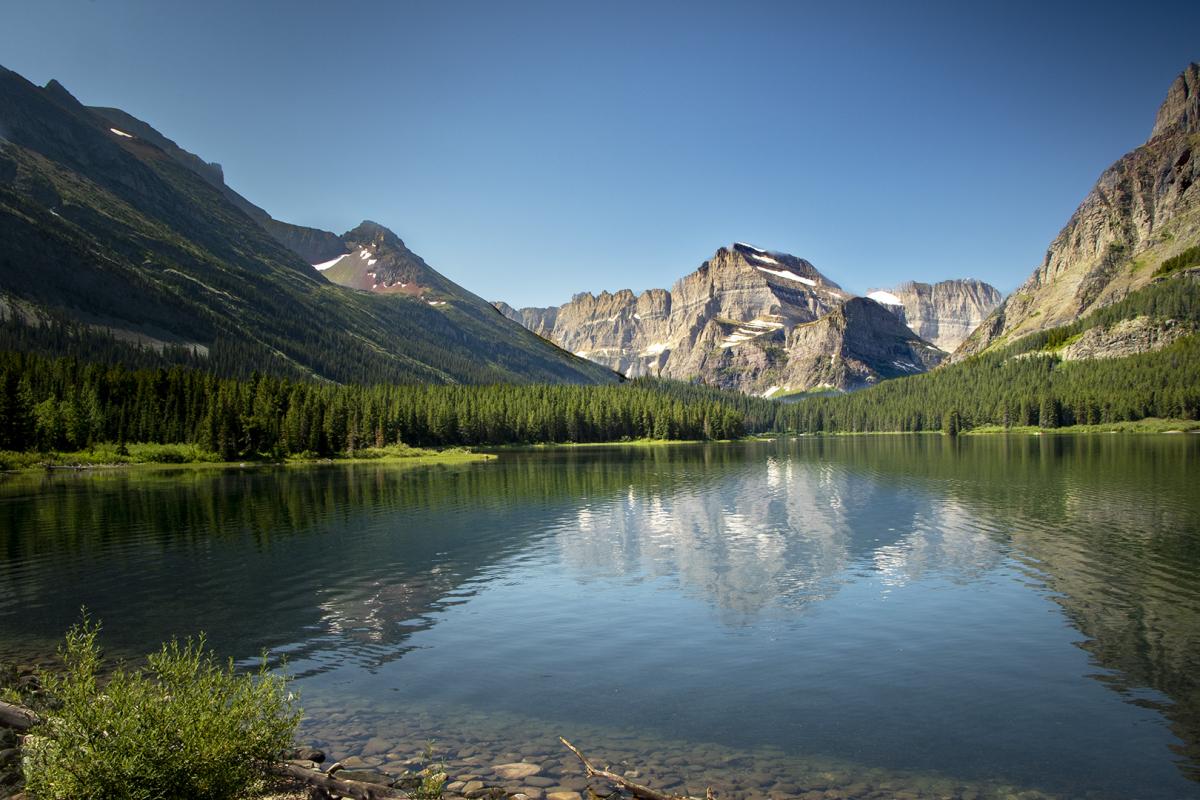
[1144, 209]
[1126, 338]
[110, 226]
[758, 321]
[942, 313]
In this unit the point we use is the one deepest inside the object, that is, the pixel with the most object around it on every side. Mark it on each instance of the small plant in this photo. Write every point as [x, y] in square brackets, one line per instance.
[433, 783]
[430, 782]
[186, 725]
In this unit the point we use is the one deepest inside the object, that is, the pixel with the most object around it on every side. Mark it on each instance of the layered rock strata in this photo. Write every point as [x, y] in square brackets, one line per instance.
[754, 320]
[943, 313]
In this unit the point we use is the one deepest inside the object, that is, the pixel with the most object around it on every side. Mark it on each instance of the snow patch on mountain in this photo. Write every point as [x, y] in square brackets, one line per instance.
[750, 247]
[887, 298]
[324, 265]
[789, 275]
[764, 259]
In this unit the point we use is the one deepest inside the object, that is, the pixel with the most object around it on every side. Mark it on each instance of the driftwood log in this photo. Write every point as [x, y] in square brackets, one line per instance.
[17, 717]
[635, 789]
[327, 783]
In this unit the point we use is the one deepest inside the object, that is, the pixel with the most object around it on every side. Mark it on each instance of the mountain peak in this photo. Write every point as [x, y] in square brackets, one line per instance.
[775, 265]
[1108, 249]
[60, 94]
[1180, 112]
[372, 232]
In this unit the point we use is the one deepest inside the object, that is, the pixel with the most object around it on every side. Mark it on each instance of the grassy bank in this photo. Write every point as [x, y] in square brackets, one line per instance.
[616, 443]
[192, 457]
[1148, 425]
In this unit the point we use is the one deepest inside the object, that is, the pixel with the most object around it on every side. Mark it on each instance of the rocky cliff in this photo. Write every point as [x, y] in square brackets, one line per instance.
[1126, 338]
[749, 319]
[943, 313]
[1142, 210]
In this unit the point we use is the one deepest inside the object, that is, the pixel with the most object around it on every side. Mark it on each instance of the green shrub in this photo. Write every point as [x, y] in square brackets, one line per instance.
[11, 460]
[153, 453]
[184, 726]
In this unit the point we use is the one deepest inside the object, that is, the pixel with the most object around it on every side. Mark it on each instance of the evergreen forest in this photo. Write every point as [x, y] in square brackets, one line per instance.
[108, 391]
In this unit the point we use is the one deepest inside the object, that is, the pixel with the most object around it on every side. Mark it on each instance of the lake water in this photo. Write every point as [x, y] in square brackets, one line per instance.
[857, 617]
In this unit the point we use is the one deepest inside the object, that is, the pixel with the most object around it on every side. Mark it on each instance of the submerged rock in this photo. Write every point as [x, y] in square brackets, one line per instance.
[516, 771]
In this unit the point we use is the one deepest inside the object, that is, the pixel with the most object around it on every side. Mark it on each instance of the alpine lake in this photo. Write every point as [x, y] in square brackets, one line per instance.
[817, 617]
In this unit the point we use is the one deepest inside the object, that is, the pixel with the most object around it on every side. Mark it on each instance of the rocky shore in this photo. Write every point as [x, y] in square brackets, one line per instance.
[500, 758]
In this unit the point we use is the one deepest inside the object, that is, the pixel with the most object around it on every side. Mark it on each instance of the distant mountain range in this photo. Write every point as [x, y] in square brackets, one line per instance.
[943, 313]
[766, 323]
[769, 323]
[109, 225]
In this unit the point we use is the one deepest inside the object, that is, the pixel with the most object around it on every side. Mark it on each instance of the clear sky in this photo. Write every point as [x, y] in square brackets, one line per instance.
[533, 150]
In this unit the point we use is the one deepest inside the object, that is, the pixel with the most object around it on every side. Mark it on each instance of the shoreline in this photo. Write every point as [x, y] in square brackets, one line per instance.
[53, 464]
[616, 443]
[15, 463]
[1149, 425]
[24, 463]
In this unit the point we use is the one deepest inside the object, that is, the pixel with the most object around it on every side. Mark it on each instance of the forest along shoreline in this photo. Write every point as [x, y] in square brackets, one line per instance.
[179, 456]
[185, 457]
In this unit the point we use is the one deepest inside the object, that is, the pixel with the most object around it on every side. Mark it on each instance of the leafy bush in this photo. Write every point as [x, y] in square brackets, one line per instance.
[11, 460]
[391, 451]
[184, 726]
[154, 453]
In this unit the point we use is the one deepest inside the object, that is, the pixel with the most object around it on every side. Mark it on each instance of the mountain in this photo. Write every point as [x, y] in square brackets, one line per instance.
[943, 313]
[373, 259]
[1143, 210]
[758, 321]
[109, 225]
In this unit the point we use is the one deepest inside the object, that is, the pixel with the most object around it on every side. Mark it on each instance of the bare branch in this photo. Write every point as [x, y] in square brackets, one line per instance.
[635, 789]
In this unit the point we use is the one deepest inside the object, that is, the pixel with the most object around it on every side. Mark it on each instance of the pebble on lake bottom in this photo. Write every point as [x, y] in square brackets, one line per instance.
[503, 757]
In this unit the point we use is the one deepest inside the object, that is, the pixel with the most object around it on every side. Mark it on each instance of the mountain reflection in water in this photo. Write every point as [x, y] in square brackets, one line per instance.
[899, 600]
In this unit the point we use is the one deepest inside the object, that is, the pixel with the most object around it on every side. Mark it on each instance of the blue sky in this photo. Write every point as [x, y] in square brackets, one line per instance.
[533, 150]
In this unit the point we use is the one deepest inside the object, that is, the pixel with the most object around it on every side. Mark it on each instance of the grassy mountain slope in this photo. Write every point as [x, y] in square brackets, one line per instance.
[111, 230]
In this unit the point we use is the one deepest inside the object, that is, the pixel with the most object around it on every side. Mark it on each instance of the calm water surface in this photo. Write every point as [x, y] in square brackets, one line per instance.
[862, 616]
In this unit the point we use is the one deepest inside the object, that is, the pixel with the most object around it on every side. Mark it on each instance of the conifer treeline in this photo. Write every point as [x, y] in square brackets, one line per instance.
[1027, 383]
[1034, 389]
[66, 404]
